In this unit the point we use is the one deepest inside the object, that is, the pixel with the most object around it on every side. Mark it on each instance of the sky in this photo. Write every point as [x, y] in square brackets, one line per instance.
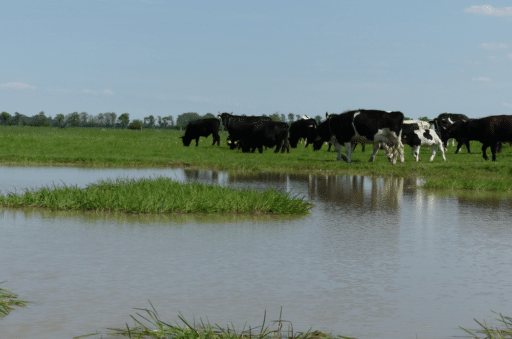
[165, 58]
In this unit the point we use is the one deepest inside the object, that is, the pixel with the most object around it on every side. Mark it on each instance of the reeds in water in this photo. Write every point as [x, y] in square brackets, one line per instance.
[149, 325]
[8, 300]
[494, 333]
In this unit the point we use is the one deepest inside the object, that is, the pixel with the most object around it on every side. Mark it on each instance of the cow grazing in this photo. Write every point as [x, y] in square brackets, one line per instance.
[302, 129]
[264, 133]
[235, 123]
[490, 131]
[443, 121]
[201, 128]
[421, 137]
[366, 126]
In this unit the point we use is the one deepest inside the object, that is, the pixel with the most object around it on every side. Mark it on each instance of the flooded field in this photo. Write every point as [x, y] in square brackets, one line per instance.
[376, 258]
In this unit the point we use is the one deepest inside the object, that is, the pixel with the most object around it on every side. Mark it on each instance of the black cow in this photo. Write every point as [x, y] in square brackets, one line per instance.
[490, 131]
[443, 121]
[453, 131]
[302, 129]
[234, 124]
[368, 126]
[264, 133]
[202, 128]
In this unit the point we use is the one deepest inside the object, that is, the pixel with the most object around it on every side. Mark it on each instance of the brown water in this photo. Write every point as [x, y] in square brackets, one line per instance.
[375, 259]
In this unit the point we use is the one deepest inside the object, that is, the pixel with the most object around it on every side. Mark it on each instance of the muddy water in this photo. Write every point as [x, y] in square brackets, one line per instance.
[376, 258]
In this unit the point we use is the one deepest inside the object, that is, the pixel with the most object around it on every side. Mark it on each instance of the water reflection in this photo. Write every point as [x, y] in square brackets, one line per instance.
[376, 258]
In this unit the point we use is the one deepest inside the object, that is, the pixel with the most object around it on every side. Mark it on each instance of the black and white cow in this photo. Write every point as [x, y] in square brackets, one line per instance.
[302, 129]
[443, 121]
[490, 131]
[416, 137]
[235, 123]
[365, 126]
[201, 128]
[264, 133]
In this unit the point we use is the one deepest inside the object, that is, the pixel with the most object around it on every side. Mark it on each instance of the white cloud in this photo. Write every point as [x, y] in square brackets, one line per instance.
[482, 79]
[16, 85]
[489, 10]
[88, 91]
[492, 45]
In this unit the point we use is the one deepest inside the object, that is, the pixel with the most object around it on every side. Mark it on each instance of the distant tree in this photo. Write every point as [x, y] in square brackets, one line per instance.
[283, 118]
[209, 116]
[297, 116]
[17, 119]
[406, 118]
[5, 118]
[424, 119]
[185, 118]
[39, 120]
[275, 116]
[170, 121]
[149, 121]
[124, 120]
[136, 124]
[60, 120]
[73, 119]
[111, 119]
[291, 117]
[318, 119]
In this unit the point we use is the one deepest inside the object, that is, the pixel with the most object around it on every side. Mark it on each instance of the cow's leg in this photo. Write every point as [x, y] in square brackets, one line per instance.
[440, 145]
[197, 141]
[459, 145]
[260, 149]
[216, 139]
[415, 151]
[348, 148]
[363, 147]
[494, 147]
[467, 145]
[484, 147]
[434, 151]
[329, 149]
[376, 148]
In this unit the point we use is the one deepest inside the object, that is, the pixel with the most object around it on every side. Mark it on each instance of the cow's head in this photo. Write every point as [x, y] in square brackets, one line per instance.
[186, 141]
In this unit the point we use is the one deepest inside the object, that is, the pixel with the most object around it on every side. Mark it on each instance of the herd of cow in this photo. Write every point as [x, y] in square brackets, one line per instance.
[385, 130]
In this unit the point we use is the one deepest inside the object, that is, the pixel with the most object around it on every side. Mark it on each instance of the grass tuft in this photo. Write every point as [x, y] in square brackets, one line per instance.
[8, 300]
[149, 325]
[494, 333]
[158, 195]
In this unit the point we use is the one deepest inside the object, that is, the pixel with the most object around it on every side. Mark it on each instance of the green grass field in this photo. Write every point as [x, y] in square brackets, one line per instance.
[94, 147]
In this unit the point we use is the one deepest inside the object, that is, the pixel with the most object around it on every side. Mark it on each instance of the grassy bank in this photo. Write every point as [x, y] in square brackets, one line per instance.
[158, 195]
[94, 147]
[8, 300]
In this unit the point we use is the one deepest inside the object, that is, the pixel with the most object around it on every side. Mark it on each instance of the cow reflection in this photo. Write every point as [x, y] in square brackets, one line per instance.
[358, 192]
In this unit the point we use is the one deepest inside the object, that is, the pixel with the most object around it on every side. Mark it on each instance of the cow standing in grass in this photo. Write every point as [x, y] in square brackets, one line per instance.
[445, 120]
[415, 137]
[201, 128]
[365, 126]
[264, 133]
[302, 129]
[490, 131]
[235, 125]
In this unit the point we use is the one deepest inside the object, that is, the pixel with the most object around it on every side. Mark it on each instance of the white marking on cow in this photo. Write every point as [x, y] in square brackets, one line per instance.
[305, 117]
[420, 123]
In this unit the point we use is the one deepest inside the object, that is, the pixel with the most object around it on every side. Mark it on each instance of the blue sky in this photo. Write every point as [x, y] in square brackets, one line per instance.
[255, 57]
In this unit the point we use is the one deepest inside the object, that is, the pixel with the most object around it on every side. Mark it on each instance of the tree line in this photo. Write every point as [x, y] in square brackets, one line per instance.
[111, 120]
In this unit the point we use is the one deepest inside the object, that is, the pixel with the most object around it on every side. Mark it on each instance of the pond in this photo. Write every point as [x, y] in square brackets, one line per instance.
[376, 258]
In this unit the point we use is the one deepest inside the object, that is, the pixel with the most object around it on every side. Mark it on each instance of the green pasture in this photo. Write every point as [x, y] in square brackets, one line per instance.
[96, 147]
